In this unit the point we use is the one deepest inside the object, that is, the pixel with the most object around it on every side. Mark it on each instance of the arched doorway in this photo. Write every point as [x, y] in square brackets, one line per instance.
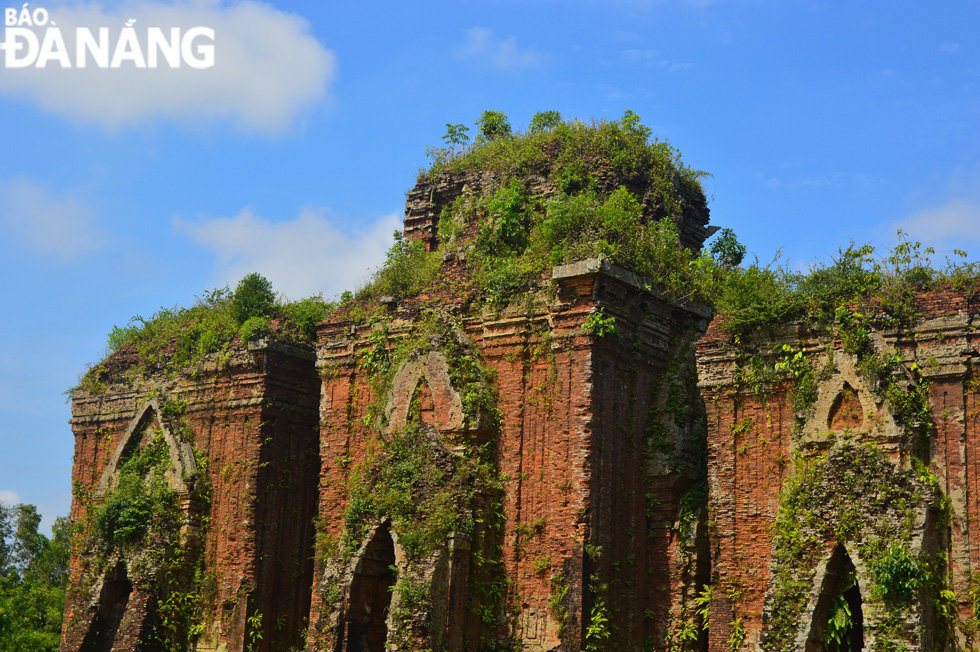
[370, 596]
[838, 619]
[113, 601]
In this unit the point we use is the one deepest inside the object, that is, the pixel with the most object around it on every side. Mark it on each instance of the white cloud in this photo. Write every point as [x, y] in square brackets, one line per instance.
[61, 226]
[268, 67]
[504, 55]
[612, 93]
[646, 57]
[803, 182]
[949, 48]
[625, 37]
[306, 255]
[8, 497]
[955, 224]
[653, 59]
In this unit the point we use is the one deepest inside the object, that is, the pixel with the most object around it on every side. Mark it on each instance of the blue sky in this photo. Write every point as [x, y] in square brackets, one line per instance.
[124, 190]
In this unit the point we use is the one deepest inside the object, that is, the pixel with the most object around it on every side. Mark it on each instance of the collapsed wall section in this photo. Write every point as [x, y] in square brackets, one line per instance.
[425, 202]
[215, 555]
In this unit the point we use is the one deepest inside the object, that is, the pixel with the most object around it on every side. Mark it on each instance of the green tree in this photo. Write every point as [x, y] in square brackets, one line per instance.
[456, 135]
[727, 250]
[493, 125]
[505, 233]
[544, 121]
[6, 531]
[305, 315]
[54, 568]
[408, 268]
[631, 125]
[253, 297]
[32, 587]
[29, 544]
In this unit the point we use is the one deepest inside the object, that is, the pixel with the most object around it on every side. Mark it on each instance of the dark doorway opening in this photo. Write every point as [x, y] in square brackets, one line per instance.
[112, 606]
[365, 629]
[838, 620]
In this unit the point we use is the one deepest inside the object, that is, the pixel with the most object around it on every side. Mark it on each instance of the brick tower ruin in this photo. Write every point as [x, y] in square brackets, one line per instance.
[502, 445]
[513, 475]
[842, 465]
[239, 438]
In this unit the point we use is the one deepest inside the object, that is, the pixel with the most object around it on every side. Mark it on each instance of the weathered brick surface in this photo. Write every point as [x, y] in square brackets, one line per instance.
[752, 448]
[600, 443]
[605, 443]
[253, 418]
[576, 413]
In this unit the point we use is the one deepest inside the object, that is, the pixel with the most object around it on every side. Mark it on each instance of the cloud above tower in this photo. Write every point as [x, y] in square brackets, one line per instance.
[268, 67]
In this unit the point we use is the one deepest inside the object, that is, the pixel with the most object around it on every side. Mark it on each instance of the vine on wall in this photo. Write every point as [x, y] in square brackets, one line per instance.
[425, 489]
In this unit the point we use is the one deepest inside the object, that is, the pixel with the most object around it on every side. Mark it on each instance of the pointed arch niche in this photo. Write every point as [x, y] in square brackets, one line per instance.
[840, 594]
[425, 379]
[846, 411]
[421, 394]
[422, 390]
[845, 402]
[122, 608]
[184, 472]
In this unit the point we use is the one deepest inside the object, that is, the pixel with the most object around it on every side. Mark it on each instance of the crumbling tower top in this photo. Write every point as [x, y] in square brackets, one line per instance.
[568, 158]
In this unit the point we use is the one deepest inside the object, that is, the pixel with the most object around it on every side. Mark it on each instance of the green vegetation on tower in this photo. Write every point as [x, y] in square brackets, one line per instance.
[178, 337]
[860, 281]
[617, 194]
[561, 192]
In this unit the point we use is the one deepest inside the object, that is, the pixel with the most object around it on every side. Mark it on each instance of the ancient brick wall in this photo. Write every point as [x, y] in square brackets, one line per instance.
[647, 456]
[554, 448]
[590, 506]
[252, 421]
[770, 448]
[541, 383]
